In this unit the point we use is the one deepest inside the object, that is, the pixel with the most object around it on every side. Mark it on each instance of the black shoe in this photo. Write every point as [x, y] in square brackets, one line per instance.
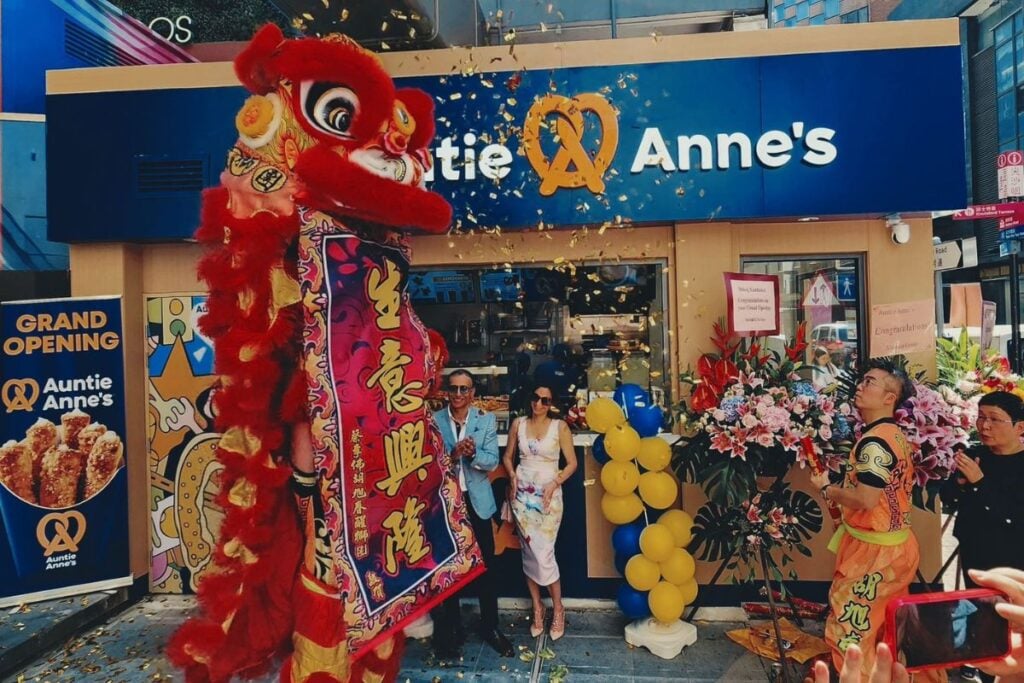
[497, 640]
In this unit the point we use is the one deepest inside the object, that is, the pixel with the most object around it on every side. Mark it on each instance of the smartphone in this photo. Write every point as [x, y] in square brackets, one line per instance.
[946, 630]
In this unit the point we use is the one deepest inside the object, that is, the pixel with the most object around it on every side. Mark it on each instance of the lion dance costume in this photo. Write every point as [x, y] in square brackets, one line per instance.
[340, 526]
[877, 554]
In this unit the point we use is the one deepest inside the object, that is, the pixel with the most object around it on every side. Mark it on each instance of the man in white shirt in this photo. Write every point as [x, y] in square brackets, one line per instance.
[471, 436]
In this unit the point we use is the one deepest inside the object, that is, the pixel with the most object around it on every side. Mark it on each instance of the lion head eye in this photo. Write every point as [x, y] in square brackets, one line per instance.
[330, 107]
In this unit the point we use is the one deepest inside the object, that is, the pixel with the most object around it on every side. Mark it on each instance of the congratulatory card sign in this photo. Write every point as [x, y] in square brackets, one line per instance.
[63, 484]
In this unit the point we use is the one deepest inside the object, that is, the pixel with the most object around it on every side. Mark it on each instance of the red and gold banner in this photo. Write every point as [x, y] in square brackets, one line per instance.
[395, 536]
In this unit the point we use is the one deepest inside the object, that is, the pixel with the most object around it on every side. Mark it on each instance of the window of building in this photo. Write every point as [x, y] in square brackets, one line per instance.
[831, 8]
[1008, 38]
[833, 316]
[857, 16]
[818, 20]
[801, 11]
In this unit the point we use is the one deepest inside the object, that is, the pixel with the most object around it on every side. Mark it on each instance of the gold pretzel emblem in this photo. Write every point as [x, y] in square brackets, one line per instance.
[61, 539]
[19, 394]
[569, 129]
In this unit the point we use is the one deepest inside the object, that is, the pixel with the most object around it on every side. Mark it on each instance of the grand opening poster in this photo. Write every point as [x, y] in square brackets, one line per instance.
[63, 479]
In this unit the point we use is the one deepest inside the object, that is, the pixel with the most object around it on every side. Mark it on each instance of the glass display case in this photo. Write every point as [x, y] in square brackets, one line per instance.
[581, 331]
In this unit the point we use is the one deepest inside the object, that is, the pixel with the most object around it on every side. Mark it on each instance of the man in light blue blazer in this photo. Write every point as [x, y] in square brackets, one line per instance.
[471, 436]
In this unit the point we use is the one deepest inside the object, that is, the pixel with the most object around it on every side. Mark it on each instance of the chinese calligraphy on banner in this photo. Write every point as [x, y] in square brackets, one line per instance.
[399, 538]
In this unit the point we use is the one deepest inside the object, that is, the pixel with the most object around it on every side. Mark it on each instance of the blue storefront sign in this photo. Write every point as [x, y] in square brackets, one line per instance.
[63, 480]
[832, 133]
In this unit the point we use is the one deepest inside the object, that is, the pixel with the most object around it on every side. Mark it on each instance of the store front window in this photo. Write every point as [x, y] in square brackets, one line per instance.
[582, 331]
[826, 294]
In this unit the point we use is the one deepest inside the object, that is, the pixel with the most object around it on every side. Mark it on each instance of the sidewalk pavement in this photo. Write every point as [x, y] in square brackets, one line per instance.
[128, 648]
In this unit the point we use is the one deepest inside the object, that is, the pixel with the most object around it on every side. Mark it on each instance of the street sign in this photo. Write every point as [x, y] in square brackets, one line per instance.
[1008, 248]
[820, 293]
[1010, 172]
[980, 211]
[1012, 234]
[1011, 221]
[961, 253]
[846, 283]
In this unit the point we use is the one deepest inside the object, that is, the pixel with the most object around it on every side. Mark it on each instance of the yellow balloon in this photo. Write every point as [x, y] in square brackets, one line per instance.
[679, 567]
[689, 591]
[654, 454]
[658, 489]
[619, 478]
[666, 602]
[603, 414]
[656, 542]
[641, 573]
[622, 442]
[621, 509]
[680, 524]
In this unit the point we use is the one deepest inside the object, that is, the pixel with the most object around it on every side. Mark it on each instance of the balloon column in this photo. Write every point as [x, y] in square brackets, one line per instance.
[650, 554]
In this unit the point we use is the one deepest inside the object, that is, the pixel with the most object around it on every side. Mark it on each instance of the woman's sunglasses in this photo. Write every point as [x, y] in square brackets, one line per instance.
[544, 400]
[455, 389]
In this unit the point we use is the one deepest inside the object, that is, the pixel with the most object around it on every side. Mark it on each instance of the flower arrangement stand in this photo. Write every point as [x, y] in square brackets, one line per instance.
[775, 616]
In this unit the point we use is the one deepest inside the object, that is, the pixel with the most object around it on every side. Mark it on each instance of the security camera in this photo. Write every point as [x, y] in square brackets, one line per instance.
[900, 233]
[899, 230]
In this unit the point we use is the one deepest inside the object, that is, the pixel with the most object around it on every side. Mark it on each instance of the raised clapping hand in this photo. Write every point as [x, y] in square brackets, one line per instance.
[1010, 582]
[886, 670]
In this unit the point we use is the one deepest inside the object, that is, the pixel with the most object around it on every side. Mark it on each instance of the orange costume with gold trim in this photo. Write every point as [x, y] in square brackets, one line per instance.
[319, 353]
[877, 554]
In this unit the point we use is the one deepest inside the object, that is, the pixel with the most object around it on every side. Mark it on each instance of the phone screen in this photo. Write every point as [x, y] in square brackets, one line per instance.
[951, 631]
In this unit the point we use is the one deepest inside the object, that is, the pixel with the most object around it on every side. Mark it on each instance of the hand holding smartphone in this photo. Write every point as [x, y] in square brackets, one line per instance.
[946, 630]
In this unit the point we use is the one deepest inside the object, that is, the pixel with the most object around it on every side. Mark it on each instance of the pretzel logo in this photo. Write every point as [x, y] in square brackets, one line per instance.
[569, 129]
[60, 539]
[19, 394]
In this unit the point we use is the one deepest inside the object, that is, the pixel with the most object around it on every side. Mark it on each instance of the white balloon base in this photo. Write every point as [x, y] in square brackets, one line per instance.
[421, 628]
[664, 640]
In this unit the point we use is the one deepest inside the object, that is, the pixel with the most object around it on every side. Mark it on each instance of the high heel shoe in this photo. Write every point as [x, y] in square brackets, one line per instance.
[557, 624]
[537, 627]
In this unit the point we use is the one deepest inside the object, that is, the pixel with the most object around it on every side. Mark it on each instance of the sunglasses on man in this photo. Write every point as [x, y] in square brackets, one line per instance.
[543, 400]
[459, 389]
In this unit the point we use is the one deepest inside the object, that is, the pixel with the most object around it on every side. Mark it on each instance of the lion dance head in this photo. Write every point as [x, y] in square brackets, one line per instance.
[326, 128]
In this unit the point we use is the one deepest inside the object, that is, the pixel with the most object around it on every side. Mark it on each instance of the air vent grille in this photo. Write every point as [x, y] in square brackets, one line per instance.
[159, 176]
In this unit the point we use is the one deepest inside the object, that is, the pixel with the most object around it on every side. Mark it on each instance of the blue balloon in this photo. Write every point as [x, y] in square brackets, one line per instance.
[647, 420]
[632, 602]
[626, 539]
[600, 454]
[620, 563]
[630, 397]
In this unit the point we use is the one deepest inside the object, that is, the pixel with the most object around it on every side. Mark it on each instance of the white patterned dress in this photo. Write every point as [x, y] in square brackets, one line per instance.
[538, 466]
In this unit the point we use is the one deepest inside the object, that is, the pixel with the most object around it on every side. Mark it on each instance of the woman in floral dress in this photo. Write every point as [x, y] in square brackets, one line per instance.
[536, 487]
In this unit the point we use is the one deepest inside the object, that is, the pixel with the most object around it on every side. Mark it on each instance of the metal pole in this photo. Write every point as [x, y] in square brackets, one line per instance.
[1015, 312]
[775, 616]
[940, 316]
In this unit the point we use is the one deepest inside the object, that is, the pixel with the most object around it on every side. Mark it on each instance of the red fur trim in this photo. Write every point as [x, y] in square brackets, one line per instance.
[421, 108]
[251, 65]
[368, 196]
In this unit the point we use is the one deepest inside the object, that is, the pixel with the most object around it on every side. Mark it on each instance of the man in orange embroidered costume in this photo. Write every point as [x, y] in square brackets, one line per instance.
[877, 554]
[339, 525]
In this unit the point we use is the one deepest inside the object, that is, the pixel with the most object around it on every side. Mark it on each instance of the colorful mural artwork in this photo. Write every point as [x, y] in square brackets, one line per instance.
[184, 517]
